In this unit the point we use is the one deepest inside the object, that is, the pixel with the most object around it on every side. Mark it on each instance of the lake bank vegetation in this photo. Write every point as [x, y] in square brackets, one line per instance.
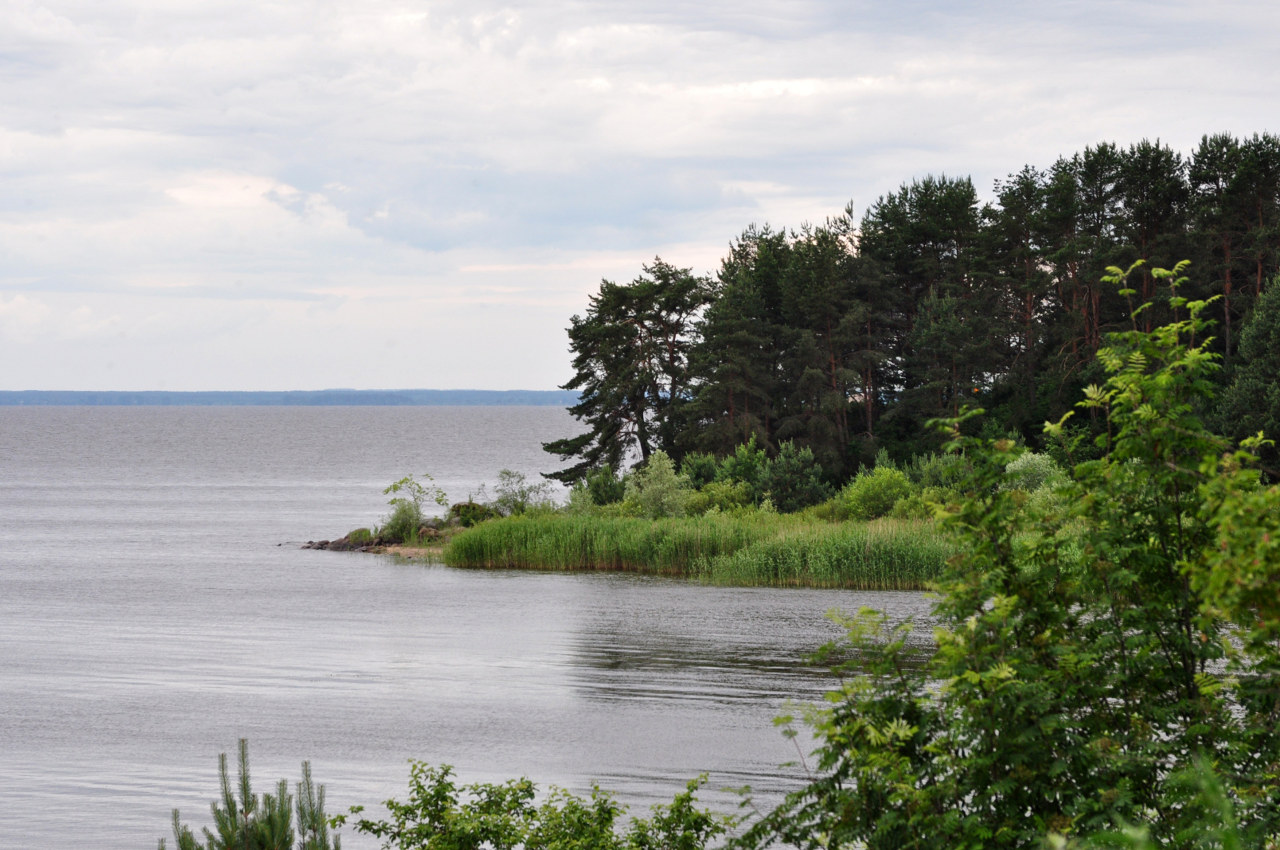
[769, 550]
[1107, 670]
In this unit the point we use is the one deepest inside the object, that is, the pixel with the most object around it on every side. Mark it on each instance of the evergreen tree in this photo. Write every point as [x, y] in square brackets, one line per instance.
[1220, 217]
[736, 361]
[631, 353]
[1259, 177]
[817, 290]
[1251, 402]
[1016, 248]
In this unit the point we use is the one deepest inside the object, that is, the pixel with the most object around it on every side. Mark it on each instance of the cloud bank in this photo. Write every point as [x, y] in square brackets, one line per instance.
[322, 193]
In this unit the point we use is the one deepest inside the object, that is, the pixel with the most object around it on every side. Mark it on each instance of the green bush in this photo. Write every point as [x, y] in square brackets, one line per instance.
[922, 505]
[360, 536]
[403, 523]
[937, 470]
[408, 507]
[655, 490]
[873, 494]
[441, 815]
[514, 494]
[700, 468]
[1030, 472]
[719, 496]
[746, 464]
[604, 486]
[471, 513]
[1085, 658]
[793, 479]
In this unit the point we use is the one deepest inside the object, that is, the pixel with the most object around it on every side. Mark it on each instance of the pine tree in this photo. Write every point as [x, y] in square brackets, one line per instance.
[631, 353]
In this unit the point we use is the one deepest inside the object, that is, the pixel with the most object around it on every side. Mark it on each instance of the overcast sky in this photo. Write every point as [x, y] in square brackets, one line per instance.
[305, 194]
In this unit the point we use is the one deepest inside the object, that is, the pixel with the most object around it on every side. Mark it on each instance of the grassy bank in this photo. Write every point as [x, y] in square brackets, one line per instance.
[756, 549]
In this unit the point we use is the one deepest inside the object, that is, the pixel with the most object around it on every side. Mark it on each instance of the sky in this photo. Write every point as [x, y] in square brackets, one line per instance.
[311, 194]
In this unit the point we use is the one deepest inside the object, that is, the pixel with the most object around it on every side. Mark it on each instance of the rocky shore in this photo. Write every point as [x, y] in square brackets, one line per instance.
[378, 546]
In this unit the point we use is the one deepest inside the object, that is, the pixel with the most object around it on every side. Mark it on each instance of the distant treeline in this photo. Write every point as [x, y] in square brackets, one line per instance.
[315, 398]
[847, 337]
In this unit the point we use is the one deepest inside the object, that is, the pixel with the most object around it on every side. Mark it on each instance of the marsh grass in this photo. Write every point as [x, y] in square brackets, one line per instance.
[881, 555]
[752, 549]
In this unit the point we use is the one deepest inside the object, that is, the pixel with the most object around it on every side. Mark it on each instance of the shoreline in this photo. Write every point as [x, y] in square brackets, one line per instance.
[399, 550]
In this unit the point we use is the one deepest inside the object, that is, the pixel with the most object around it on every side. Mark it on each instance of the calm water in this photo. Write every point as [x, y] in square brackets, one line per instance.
[150, 616]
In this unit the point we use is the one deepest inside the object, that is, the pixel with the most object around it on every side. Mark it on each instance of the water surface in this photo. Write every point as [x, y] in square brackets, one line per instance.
[154, 608]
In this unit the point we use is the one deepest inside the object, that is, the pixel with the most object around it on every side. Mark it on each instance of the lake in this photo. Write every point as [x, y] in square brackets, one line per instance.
[155, 607]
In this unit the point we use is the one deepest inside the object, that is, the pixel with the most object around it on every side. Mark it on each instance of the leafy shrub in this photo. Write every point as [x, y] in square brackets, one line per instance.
[408, 507]
[440, 815]
[1030, 472]
[656, 490]
[403, 523]
[746, 464]
[937, 470]
[514, 494]
[793, 479]
[579, 502]
[1086, 657]
[719, 496]
[700, 468]
[470, 513]
[873, 494]
[604, 486]
[832, 510]
[921, 505]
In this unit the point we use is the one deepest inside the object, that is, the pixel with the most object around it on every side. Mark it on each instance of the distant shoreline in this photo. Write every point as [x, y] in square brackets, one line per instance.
[296, 398]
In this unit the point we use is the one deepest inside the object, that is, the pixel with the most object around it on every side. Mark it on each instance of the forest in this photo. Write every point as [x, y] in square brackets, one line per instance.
[847, 337]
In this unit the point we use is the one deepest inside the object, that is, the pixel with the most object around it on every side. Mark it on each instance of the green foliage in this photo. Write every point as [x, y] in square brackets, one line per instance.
[246, 821]
[656, 490]
[1030, 472]
[701, 468]
[360, 536]
[873, 494]
[402, 525]
[793, 479]
[937, 470]
[1085, 658]
[719, 496]
[408, 507]
[923, 505]
[604, 486]
[746, 465]
[469, 513]
[514, 494]
[441, 815]
[1251, 402]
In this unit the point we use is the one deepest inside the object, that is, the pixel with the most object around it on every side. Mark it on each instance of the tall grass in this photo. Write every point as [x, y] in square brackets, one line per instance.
[562, 542]
[882, 555]
[752, 549]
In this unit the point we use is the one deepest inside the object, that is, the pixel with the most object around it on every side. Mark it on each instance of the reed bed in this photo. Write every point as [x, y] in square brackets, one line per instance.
[760, 549]
[881, 555]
